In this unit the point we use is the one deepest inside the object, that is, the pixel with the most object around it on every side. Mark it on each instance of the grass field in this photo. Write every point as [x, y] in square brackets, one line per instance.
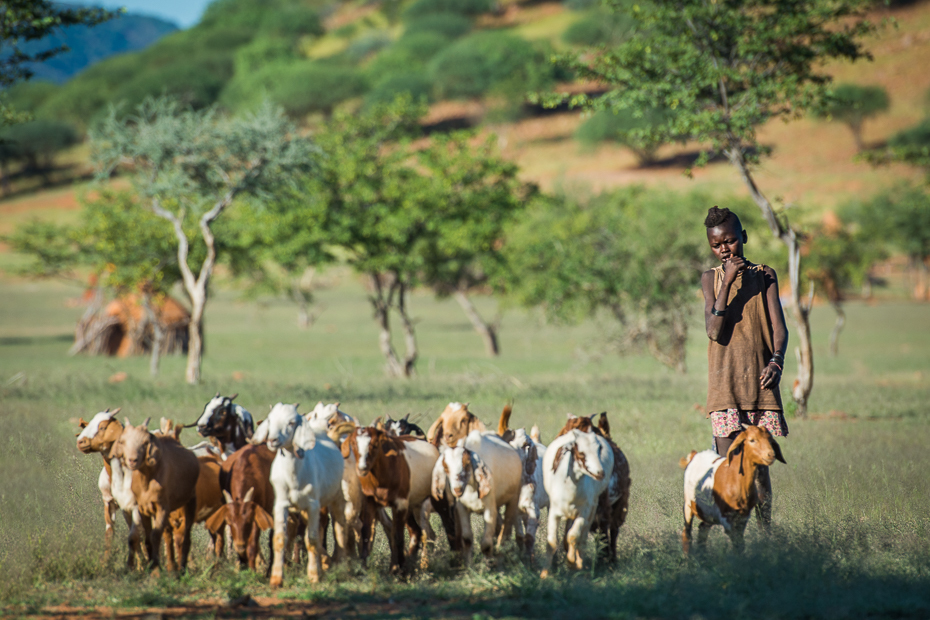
[852, 506]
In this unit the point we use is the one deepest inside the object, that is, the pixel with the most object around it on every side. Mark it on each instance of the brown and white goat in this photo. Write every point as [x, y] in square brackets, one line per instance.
[394, 472]
[614, 503]
[100, 435]
[453, 424]
[164, 479]
[721, 490]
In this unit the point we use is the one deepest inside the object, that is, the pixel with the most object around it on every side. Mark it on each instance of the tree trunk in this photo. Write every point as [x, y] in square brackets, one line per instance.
[804, 382]
[158, 334]
[301, 293]
[837, 327]
[488, 332]
[195, 336]
[382, 307]
[410, 340]
[856, 129]
[921, 287]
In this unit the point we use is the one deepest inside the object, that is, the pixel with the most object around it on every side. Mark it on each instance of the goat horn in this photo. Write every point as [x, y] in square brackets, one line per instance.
[233, 397]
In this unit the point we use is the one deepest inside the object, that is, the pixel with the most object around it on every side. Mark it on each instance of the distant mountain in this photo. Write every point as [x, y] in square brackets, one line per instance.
[126, 33]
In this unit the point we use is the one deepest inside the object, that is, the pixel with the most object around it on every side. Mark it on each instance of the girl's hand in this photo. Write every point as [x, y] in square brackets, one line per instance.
[770, 377]
[731, 267]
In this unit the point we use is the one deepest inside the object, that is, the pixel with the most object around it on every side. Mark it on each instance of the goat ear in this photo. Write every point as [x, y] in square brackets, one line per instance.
[433, 428]
[482, 475]
[604, 425]
[126, 423]
[571, 416]
[439, 479]
[777, 449]
[736, 447]
[151, 454]
[217, 394]
[346, 447]
[217, 520]
[262, 519]
[82, 423]
[261, 434]
[406, 418]
[145, 423]
[558, 458]
[114, 412]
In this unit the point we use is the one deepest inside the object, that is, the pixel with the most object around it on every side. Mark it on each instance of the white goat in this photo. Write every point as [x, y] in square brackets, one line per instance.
[323, 417]
[533, 496]
[307, 476]
[482, 473]
[574, 477]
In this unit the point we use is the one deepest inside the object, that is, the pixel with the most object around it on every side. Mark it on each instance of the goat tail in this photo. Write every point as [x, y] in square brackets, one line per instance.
[504, 422]
[686, 460]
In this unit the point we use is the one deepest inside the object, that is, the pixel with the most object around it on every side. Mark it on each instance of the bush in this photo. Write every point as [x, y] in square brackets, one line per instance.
[197, 85]
[449, 25]
[37, 142]
[626, 128]
[479, 62]
[852, 104]
[29, 96]
[599, 28]
[262, 51]
[461, 7]
[410, 53]
[366, 45]
[916, 136]
[292, 22]
[299, 87]
[580, 5]
[79, 102]
[415, 84]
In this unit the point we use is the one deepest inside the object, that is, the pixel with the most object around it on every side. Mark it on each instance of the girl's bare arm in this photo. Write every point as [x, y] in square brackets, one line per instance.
[771, 375]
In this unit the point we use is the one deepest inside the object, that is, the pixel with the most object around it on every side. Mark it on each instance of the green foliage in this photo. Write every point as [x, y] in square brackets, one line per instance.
[624, 252]
[917, 136]
[413, 84]
[580, 5]
[852, 104]
[53, 250]
[367, 45]
[292, 22]
[483, 61]
[263, 51]
[196, 83]
[840, 259]
[725, 68]
[37, 142]
[897, 220]
[462, 7]
[299, 87]
[599, 28]
[450, 25]
[29, 96]
[910, 146]
[626, 127]
[410, 53]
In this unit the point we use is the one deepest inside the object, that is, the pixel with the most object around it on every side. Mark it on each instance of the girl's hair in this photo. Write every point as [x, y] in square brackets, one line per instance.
[717, 216]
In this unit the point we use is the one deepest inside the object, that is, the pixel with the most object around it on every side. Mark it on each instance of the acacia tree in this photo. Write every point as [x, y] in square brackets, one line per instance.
[475, 194]
[852, 105]
[191, 165]
[725, 69]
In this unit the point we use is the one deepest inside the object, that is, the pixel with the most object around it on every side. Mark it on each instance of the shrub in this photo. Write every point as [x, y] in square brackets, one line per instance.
[29, 96]
[451, 25]
[599, 28]
[580, 5]
[366, 45]
[479, 62]
[626, 128]
[916, 136]
[260, 52]
[410, 53]
[299, 87]
[415, 84]
[37, 142]
[292, 22]
[80, 102]
[462, 7]
[197, 85]
[853, 104]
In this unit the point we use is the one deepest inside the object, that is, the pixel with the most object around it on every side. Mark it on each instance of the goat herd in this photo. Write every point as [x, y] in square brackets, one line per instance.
[297, 473]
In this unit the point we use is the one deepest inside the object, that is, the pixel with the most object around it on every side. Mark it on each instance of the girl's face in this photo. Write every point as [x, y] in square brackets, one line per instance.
[726, 240]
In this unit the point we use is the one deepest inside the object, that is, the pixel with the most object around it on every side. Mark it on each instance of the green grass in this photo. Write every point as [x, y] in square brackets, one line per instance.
[852, 537]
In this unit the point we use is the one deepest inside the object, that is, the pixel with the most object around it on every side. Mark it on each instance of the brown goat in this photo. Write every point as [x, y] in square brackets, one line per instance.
[164, 479]
[615, 501]
[722, 491]
[249, 502]
[454, 423]
[384, 476]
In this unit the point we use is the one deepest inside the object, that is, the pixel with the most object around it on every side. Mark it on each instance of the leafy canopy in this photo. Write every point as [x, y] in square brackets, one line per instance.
[724, 68]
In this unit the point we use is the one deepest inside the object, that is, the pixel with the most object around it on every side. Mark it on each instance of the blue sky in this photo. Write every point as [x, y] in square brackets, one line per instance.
[184, 13]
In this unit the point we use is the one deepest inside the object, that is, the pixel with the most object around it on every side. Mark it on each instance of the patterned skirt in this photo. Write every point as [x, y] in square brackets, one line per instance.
[726, 422]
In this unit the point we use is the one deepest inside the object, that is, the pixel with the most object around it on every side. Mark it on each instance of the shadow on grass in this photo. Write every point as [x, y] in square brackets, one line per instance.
[8, 341]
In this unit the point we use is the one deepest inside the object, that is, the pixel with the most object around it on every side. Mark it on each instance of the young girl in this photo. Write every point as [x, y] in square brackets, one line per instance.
[748, 338]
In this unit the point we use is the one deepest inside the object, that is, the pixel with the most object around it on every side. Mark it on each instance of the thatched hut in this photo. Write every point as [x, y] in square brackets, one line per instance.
[126, 326]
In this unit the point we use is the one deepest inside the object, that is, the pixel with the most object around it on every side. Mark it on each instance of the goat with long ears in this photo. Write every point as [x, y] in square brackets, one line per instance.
[721, 490]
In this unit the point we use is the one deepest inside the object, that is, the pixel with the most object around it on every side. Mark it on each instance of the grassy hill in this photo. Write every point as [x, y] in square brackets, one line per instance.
[311, 57]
